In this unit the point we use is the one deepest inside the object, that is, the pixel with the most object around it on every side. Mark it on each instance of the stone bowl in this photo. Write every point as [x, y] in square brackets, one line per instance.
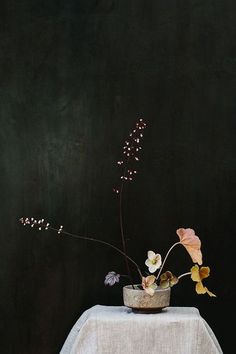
[141, 302]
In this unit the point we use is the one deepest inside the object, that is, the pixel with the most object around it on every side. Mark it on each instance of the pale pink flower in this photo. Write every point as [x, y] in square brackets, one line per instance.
[149, 284]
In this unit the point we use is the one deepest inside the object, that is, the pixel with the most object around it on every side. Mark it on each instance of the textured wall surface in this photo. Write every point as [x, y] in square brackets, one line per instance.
[74, 77]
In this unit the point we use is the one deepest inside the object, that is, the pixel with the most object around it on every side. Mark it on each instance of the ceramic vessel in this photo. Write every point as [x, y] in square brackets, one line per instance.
[139, 301]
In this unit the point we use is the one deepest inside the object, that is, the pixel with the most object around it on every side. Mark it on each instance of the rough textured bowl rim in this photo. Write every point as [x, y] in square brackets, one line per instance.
[158, 289]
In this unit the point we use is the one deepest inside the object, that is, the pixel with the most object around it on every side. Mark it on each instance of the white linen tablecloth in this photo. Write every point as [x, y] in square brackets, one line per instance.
[117, 330]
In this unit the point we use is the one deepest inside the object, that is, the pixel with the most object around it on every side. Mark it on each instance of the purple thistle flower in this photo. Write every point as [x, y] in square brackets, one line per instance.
[111, 278]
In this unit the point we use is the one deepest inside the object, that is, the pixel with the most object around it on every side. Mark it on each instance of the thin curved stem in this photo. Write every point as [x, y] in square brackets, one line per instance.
[99, 241]
[167, 254]
[183, 275]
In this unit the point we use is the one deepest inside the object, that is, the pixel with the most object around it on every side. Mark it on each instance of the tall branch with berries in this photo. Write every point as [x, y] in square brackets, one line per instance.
[128, 163]
[187, 236]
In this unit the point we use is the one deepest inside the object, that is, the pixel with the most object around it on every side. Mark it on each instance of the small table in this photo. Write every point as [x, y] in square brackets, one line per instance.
[117, 330]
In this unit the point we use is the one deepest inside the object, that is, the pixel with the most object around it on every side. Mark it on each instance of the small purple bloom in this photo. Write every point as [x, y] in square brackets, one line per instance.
[111, 278]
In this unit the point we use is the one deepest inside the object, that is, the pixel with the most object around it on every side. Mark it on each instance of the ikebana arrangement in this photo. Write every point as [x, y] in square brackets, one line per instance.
[154, 279]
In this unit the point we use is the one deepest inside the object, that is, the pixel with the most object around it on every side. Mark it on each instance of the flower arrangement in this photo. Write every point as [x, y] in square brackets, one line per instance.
[187, 237]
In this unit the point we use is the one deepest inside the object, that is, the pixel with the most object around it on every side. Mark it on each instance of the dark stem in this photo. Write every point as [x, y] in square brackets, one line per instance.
[99, 241]
[122, 233]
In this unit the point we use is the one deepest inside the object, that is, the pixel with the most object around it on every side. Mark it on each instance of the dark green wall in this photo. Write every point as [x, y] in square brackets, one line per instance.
[74, 77]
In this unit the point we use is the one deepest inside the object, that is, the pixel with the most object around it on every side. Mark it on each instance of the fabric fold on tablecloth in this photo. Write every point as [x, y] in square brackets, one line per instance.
[117, 330]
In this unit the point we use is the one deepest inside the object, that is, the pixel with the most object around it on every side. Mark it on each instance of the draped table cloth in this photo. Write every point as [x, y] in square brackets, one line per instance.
[117, 330]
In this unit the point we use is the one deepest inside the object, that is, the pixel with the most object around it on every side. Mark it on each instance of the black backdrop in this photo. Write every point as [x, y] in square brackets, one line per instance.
[75, 76]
